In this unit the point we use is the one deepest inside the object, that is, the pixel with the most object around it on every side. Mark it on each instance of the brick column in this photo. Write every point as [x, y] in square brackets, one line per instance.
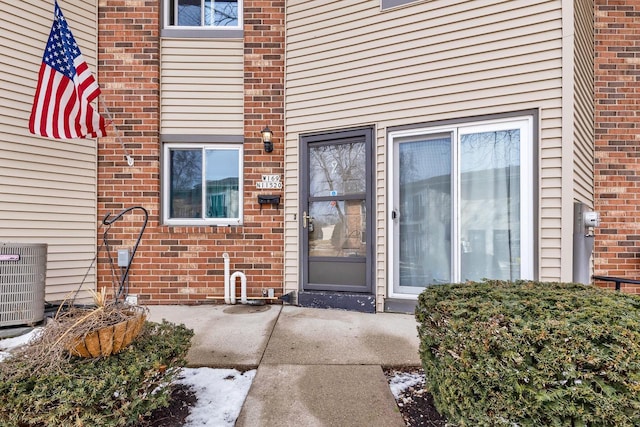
[185, 264]
[128, 72]
[264, 106]
[617, 130]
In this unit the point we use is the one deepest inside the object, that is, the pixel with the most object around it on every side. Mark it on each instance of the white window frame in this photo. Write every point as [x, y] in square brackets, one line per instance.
[527, 191]
[166, 184]
[201, 28]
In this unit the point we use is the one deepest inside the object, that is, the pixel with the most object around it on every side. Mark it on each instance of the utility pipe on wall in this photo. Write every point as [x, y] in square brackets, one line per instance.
[230, 283]
[243, 287]
[225, 256]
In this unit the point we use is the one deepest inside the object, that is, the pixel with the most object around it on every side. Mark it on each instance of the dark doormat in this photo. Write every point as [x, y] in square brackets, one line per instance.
[364, 303]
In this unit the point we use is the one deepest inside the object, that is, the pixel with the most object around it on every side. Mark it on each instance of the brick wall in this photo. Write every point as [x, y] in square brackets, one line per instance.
[617, 130]
[184, 264]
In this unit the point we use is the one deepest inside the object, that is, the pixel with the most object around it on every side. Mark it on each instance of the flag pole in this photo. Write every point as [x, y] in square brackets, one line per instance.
[130, 160]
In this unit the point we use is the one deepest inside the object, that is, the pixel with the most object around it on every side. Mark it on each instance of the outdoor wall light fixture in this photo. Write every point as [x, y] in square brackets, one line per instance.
[266, 138]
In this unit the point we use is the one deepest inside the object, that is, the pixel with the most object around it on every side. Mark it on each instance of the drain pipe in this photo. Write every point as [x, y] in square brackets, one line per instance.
[243, 287]
[225, 256]
[230, 283]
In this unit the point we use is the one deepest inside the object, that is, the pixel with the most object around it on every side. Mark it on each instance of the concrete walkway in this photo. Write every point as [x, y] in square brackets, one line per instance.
[315, 367]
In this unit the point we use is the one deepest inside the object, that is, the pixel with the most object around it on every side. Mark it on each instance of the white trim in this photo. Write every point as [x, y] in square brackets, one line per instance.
[455, 210]
[527, 191]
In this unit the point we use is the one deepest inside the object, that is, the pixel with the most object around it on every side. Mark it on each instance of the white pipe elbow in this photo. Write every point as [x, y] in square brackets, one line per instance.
[243, 287]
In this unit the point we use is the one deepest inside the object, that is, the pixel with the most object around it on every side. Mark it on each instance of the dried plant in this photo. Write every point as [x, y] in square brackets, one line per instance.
[65, 335]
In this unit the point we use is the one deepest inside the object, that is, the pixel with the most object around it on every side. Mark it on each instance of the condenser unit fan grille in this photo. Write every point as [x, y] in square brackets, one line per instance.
[22, 277]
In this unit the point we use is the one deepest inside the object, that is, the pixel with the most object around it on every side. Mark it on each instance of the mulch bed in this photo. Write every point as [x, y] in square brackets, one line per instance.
[415, 404]
[182, 399]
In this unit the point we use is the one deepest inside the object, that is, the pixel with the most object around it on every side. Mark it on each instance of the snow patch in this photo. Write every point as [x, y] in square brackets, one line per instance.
[402, 381]
[220, 394]
[8, 344]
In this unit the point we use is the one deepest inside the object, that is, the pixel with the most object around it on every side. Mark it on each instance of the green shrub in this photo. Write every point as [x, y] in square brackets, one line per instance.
[112, 391]
[531, 354]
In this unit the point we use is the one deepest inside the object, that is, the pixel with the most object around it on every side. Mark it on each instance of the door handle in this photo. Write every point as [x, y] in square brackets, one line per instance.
[306, 218]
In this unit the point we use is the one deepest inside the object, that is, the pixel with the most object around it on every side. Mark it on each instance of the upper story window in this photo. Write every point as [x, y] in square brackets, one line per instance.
[202, 15]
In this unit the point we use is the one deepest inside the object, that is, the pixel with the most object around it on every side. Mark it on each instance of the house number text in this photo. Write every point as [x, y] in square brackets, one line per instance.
[269, 181]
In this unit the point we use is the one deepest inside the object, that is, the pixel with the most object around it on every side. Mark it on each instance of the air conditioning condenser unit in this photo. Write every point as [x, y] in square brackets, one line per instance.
[22, 278]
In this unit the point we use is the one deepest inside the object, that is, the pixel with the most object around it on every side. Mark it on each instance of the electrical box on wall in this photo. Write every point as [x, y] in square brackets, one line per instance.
[591, 219]
[585, 220]
[123, 257]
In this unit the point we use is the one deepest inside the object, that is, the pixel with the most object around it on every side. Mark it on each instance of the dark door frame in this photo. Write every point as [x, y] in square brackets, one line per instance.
[360, 134]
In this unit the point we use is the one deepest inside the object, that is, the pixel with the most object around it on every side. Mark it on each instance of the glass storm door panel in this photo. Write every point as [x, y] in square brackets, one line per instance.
[336, 217]
[422, 217]
[490, 205]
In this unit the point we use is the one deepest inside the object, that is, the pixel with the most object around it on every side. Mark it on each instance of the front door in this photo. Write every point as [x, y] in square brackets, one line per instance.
[336, 216]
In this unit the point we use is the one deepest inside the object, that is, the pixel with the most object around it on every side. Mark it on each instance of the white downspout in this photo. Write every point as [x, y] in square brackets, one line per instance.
[227, 300]
[243, 287]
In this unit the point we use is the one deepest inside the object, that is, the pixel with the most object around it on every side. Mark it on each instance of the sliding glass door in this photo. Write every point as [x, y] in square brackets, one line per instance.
[461, 204]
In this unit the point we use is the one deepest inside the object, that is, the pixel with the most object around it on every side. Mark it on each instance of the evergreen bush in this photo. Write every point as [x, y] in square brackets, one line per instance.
[531, 354]
[114, 391]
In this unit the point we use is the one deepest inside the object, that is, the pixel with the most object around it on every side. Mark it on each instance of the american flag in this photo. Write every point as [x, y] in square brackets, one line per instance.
[61, 106]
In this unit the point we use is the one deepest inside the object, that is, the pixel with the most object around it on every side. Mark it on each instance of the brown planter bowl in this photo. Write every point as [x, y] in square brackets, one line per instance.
[109, 339]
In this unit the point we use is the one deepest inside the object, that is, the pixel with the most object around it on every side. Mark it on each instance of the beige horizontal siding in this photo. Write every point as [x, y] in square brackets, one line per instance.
[349, 64]
[202, 86]
[47, 187]
[583, 98]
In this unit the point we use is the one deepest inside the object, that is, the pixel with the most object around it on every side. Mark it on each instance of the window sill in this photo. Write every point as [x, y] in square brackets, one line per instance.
[174, 223]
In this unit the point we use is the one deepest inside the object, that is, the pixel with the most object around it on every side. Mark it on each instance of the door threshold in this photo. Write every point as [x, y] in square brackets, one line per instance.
[397, 305]
[364, 303]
